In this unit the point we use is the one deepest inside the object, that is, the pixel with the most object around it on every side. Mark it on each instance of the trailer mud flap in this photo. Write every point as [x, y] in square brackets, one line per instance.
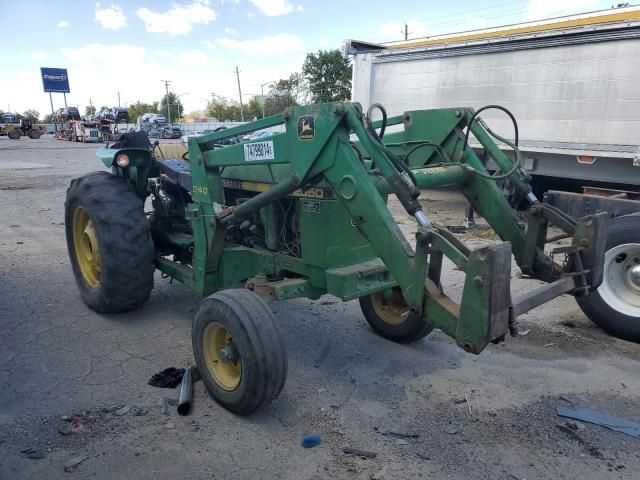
[486, 295]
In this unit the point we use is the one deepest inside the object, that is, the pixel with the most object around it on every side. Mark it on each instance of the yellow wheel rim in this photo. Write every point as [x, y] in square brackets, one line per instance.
[221, 356]
[392, 309]
[85, 244]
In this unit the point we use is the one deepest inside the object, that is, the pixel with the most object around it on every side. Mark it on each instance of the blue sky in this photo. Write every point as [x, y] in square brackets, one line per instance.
[129, 46]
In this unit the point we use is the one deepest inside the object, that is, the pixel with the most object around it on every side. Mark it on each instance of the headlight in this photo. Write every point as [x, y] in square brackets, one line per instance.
[122, 160]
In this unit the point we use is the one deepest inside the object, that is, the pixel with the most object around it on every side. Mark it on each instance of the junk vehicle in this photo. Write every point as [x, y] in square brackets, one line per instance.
[246, 223]
[571, 81]
[24, 127]
[171, 132]
[85, 131]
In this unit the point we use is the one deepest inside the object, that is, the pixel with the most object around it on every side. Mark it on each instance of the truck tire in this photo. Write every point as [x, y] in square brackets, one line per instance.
[14, 134]
[615, 305]
[238, 350]
[109, 243]
[391, 318]
[35, 134]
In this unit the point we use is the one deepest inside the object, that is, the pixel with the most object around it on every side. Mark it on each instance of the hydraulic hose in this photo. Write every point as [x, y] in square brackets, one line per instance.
[513, 145]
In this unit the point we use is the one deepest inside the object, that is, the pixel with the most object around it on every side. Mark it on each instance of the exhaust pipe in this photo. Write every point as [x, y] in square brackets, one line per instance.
[186, 391]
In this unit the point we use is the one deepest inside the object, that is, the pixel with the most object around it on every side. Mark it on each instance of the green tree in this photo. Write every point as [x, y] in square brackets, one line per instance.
[90, 110]
[224, 111]
[329, 76]
[47, 118]
[175, 106]
[139, 108]
[299, 89]
[32, 115]
[253, 109]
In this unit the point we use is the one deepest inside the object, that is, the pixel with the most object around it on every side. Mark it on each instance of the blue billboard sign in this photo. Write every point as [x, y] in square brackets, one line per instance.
[55, 80]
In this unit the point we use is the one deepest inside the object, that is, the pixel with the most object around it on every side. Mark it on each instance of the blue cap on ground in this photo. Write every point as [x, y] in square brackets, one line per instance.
[310, 441]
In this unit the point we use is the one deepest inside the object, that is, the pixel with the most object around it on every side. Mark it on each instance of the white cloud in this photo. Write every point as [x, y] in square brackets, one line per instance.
[39, 55]
[541, 9]
[193, 58]
[209, 45]
[111, 18]
[275, 8]
[394, 30]
[92, 76]
[63, 24]
[121, 54]
[230, 31]
[267, 45]
[179, 19]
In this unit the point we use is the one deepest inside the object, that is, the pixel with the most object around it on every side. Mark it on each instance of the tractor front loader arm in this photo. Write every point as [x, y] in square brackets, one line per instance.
[317, 146]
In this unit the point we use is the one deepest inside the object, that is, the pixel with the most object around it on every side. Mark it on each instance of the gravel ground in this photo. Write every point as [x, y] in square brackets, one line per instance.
[74, 383]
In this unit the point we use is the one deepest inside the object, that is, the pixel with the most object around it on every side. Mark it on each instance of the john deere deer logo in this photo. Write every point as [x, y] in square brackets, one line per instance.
[306, 127]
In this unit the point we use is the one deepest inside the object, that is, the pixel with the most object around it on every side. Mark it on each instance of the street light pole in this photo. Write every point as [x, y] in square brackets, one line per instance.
[178, 102]
[166, 86]
[262, 94]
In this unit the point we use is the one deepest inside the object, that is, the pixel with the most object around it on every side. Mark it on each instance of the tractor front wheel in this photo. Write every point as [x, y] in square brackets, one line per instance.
[390, 317]
[35, 134]
[238, 350]
[109, 243]
[14, 134]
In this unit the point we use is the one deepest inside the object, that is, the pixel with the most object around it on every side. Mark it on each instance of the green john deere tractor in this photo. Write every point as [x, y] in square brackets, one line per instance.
[302, 212]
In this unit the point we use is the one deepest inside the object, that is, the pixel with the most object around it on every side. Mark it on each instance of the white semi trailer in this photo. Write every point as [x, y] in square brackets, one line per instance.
[572, 82]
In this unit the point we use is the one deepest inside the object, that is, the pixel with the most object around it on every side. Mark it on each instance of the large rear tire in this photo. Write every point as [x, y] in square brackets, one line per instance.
[390, 317]
[615, 305]
[238, 350]
[109, 243]
[14, 134]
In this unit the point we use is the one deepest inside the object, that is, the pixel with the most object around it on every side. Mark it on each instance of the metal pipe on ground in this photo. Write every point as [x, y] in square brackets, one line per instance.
[185, 400]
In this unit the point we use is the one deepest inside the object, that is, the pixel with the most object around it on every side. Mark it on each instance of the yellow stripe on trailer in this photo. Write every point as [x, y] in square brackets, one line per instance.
[522, 29]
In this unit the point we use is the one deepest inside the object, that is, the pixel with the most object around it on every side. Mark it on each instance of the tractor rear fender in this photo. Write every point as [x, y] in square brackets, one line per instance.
[135, 165]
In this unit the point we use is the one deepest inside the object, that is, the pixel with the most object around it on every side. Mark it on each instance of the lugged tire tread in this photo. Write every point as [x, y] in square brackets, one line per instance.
[124, 237]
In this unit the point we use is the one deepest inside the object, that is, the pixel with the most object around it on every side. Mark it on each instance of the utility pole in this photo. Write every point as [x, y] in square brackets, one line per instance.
[166, 86]
[118, 99]
[406, 31]
[240, 94]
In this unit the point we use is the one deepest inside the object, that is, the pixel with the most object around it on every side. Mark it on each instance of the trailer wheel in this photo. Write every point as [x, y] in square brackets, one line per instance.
[390, 317]
[109, 243]
[238, 350]
[35, 134]
[615, 305]
[14, 134]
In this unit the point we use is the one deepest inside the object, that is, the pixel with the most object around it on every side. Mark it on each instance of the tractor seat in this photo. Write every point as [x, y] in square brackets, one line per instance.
[164, 151]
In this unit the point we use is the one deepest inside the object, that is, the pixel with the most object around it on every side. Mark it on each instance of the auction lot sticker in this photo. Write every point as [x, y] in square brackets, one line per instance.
[259, 151]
